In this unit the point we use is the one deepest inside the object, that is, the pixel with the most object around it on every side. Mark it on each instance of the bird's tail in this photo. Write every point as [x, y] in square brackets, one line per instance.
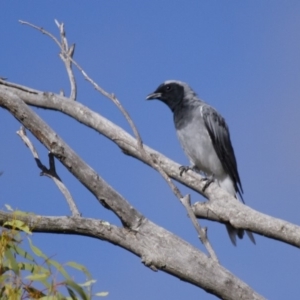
[227, 184]
[233, 233]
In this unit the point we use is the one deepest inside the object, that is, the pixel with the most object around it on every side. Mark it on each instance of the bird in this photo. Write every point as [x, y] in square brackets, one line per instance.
[204, 136]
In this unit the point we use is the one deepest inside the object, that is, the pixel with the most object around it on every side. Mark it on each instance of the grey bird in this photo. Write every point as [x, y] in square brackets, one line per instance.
[204, 137]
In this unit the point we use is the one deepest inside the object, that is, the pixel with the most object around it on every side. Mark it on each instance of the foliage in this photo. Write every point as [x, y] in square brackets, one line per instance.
[31, 274]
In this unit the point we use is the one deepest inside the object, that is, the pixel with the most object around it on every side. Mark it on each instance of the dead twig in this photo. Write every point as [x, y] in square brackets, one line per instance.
[66, 52]
[112, 97]
[51, 172]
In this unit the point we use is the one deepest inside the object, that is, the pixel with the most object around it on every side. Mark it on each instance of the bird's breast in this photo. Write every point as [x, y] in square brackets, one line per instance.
[197, 145]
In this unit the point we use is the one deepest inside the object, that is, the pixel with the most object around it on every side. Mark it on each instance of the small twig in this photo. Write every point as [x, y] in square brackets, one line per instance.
[51, 172]
[112, 97]
[66, 52]
[186, 201]
[42, 31]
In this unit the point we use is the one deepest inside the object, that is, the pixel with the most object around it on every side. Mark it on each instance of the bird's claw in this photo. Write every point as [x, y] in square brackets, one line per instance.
[208, 182]
[184, 169]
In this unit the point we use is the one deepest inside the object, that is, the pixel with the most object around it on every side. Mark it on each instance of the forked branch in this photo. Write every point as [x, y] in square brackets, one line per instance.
[67, 58]
[49, 172]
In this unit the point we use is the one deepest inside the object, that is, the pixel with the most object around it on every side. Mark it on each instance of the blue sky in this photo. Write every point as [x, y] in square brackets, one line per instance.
[242, 57]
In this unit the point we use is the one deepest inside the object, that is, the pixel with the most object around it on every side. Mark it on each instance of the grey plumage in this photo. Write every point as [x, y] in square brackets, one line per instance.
[204, 136]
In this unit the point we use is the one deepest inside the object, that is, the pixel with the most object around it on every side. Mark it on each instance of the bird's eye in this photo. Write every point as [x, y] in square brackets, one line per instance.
[168, 87]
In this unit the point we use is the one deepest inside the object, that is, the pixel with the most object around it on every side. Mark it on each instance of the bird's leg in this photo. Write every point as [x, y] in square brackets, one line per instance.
[208, 180]
[184, 169]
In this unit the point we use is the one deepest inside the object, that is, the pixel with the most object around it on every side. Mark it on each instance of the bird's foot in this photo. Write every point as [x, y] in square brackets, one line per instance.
[184, 169]
[208, 180]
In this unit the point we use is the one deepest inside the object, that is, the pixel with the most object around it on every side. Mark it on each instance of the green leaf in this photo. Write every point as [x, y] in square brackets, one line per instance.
[13, 265]
[79, 267]
[36, 250]
[3, 278]
[88, 283]
[59, 267]
[8, 207]
[72, 294]
[25, 228]
[46, 283]
[2, 291]
[77, 288]
[101, 294]
[33, 293]
[38, 277]
[22, 253]
[33, 268]
[20, 225]
[22, 213]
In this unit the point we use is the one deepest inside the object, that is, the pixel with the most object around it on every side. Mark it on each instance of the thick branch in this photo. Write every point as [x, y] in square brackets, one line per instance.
[128, 145]
[141, 152]
[158, 248]
[84, 173]
[241, 216]
[105, 127]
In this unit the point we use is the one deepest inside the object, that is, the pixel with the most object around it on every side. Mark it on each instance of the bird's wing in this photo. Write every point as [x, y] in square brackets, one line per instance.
[219, 134]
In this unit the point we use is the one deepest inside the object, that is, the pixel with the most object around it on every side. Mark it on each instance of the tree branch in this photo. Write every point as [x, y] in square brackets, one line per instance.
[152, 243]
[128, 145]
[111, 97]
[84, 173]
[51, 172]
[202, 234]
[241, 216]
[158, 248]
[66, 52]
[105, 127]
[67, 58]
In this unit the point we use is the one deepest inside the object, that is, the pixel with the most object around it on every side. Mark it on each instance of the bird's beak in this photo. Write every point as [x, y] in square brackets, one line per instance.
[153, 96]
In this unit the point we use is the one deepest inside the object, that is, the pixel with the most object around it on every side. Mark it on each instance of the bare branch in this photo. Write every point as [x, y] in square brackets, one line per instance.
[192, 180]
[51, 172]
[112, 97]
[42, 30]
[202, 232]
[105, 127]
[66, 54]
[185, 201]
[158, 248]
[241, 216]
[83, 172]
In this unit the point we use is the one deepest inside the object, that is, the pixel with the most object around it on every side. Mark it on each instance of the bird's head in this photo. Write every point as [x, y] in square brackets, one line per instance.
[171, 92]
